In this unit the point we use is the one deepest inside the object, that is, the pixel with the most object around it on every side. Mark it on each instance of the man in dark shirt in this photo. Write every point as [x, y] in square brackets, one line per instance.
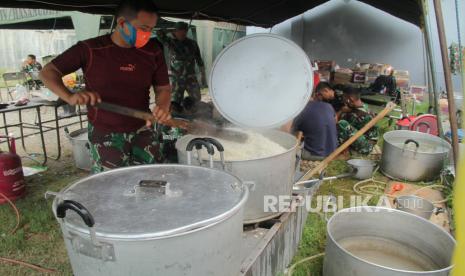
[118, 68]
[318, 124]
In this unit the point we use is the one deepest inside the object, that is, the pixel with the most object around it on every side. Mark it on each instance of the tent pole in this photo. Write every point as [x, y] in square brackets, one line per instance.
[434, 98]
[431, 84]
[448, 79]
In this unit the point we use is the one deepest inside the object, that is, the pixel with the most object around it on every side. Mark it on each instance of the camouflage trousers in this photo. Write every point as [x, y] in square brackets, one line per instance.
[114, 150]
[184, 82]
[349, 125]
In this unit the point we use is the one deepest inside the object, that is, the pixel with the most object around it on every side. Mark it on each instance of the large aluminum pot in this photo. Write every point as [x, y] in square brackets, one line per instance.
[153, 220]
[367, 241]
[413, 156]
[271, 176]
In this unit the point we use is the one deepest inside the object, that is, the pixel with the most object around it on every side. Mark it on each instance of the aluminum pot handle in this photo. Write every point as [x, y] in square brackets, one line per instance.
[76, 207]
[219, 147]
[411, 141]
[198, 143]
[438, 210]
[396, 203]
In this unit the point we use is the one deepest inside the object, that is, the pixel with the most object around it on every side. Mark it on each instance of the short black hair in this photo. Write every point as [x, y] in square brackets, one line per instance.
[351, 91]
[130, 8]
[31, 56]
[180, 25]
[322, 86]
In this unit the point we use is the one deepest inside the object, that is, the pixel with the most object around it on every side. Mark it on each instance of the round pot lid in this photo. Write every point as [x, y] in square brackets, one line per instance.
[261, 81]
[154, 201]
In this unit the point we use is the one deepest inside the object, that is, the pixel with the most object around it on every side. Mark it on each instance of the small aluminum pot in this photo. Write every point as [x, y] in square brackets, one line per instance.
[417, 205]
[364, 168]
[81, 148]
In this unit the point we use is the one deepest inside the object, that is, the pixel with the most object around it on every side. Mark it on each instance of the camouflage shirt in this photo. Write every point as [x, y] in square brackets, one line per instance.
[28, 68]
[182, 53]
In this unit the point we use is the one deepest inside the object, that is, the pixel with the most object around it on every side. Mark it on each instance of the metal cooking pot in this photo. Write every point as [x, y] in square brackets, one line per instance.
[367, 241]
[81, 148]
[413, 156]
[364, 168]
[417, 205]
[272, 176]
[153, 220]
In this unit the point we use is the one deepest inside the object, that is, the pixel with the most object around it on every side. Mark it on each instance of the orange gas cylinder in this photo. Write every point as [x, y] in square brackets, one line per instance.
[12, 184]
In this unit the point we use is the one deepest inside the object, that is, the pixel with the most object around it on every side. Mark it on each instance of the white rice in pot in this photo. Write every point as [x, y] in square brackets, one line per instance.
[256, 146]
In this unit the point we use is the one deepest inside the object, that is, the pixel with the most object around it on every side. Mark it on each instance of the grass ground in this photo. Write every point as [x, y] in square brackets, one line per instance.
[38, 239]
[314, 234]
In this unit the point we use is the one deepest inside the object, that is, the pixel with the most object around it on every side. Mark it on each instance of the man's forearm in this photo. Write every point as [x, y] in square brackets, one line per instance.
[51, 77]
[163, 96]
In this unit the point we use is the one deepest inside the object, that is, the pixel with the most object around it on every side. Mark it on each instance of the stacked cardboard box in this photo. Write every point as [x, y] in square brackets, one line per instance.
[325, 68]
[402, 78]
[324, 75]
[326, 65]
[418, 91]
[371, 76]
[342, 76]
[359, 77]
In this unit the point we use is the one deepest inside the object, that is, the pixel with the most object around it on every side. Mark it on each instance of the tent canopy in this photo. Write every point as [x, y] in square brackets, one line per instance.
[263, 13]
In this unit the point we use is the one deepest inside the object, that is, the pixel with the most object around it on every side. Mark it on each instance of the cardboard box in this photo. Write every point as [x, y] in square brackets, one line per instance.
[402, 78]
[359, 77]
[371, 76]
[418, 91]
[326, 65]
[324, 75]
[342, 76]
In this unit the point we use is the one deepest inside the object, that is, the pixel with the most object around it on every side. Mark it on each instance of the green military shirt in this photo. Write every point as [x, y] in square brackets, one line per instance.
[182, 54]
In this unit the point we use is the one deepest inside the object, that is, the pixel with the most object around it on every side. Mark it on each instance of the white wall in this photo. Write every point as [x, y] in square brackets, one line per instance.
[350, 32]
[17, 44]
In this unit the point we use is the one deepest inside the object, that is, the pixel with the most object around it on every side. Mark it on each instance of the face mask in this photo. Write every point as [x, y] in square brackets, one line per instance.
[135, 38]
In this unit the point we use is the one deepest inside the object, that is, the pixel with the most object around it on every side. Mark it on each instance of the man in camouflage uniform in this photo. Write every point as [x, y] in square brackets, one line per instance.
[352, 115]
[184, 53]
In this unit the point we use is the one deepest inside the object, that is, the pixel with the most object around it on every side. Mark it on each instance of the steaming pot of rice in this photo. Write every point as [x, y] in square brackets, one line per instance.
[266, 160]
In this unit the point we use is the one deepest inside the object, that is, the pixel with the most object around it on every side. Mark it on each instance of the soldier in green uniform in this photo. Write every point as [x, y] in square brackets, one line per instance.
[352, 114]
[184, 53]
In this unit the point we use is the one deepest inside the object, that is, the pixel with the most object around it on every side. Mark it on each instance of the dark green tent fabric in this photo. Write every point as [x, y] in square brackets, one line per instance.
[264, 13]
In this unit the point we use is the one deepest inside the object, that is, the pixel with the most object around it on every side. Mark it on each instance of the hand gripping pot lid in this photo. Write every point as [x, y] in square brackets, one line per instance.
[261, 81]
[130, 203]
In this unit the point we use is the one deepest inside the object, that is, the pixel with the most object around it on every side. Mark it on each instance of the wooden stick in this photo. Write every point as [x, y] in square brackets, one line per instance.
[390, 106]
[33, 266]
[299, 137]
